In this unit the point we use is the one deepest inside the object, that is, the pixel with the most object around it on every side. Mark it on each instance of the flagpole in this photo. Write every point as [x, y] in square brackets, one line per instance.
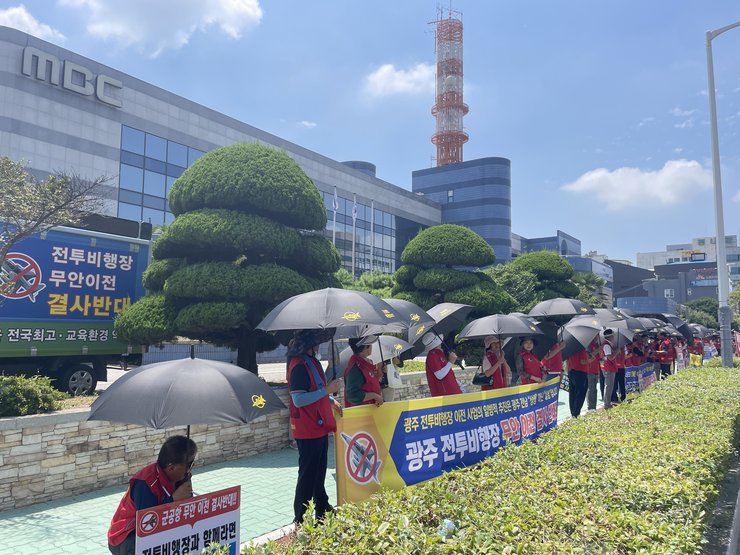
[354, 221]
[335, 205]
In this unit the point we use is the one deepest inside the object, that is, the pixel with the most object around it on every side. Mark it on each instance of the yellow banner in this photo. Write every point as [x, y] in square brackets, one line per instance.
[407, 442]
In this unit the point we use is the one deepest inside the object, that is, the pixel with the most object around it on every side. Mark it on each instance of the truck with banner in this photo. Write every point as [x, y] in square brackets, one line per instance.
[60, 292]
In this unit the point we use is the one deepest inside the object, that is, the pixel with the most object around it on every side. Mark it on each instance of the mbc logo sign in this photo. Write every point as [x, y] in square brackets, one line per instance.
[74, 77]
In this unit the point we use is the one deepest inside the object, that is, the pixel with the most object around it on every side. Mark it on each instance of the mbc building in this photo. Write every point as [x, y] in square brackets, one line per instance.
[63, 112]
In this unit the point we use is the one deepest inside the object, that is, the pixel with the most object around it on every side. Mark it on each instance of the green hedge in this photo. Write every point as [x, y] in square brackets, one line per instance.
[158, 271]
[639, 478]
[444, 279]
[485, 297]
[449, 245]
[716, 362]
[225, 234]
[313, 254]
[206, 317]
[545, 265]
[148, 321]
[20, 396]
[250, 178]
[406, 274]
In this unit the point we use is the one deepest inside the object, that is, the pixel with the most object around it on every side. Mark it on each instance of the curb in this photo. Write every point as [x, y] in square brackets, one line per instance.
[734, 546]
[270, 536]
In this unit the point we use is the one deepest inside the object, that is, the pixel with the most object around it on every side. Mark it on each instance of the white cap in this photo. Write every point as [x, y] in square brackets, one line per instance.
[430, 341]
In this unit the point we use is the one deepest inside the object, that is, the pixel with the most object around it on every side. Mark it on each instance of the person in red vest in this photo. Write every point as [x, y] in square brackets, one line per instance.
[440, 376]
[528, 366]
[311, 419]
[553, 359]
[666, 354]
[608, 366]
[594, 372]
[579, 369]
[362, 376]
[494, 364]
[161, 482]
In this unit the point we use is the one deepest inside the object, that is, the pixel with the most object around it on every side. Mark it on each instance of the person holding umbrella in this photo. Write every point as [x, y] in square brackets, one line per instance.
[161, 482]
[440, 376]
[311, 419]
[361, 376]
[608, 367]
[579, 371]
[528, 366]
[553, 359]
[494, 365]
[666, 354]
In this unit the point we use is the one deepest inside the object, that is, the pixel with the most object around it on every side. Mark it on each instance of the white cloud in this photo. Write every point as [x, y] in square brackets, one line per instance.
[155, 26]
[387, 80]
[645, 121]
[736, 198]
[678, 150]
[678, 112]
[686, 124]
[19, 18]
[308, 124]
[633, 188]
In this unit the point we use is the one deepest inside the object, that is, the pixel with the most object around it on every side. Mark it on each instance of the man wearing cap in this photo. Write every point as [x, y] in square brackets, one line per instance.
[440, 376]
[311, 419]
[362, 377]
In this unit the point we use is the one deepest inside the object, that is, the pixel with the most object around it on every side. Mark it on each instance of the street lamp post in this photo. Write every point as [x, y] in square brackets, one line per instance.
[724, 312]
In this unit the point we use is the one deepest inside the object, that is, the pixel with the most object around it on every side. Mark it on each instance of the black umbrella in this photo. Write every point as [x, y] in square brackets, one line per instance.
[682, 327]
[578, 334]
[449, 316]
[699, 330]
[185, 392]
[560, 307]
[328, 308]
[412, 321]
[501, 325]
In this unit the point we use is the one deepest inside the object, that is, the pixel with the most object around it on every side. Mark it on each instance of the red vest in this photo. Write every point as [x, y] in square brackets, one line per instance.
[497, 378]
[575, 362]
[669, 351]
[554, 364]
[436, 360]
[371, 385]
[531, 367]
[317, 419]
[606, 364]
[628, 356]
[124, 519]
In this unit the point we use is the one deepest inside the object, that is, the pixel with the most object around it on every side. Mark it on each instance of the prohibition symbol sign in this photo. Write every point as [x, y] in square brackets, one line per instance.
[362, 459]
[20, 276]
[148, 522]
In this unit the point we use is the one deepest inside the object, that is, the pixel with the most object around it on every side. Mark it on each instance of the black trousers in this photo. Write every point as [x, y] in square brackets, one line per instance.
[577, 395]
[128, 547]
[312, 462]
[665, 369]
[620, 386]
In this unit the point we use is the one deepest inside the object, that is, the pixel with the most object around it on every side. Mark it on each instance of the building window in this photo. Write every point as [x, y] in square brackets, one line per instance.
[669, 293]
[701, 242]
[450, 196]
[688, 292]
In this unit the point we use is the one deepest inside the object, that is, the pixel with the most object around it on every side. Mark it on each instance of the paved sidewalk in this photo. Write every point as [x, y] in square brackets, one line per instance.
[77, 525]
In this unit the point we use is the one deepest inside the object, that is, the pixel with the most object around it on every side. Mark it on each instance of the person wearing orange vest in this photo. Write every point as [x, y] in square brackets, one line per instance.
[553, 359]
[161, 482]
[528, 366]
[666, 354]
[311, 419]
[440, 376]
[494, 364]
[362, 377]
[608, 366]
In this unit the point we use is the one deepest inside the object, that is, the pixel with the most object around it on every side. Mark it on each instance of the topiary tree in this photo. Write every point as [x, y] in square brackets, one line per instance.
[243, 240]
[552, 272]
[427, 276]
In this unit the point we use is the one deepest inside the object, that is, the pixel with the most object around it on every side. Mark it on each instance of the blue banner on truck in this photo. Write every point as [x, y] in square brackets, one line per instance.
[66, 288]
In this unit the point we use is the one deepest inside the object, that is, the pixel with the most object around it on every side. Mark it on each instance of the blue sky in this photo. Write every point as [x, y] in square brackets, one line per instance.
[601, 106]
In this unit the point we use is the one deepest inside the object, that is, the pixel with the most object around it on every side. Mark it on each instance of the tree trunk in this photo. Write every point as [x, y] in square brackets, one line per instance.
[246, 355]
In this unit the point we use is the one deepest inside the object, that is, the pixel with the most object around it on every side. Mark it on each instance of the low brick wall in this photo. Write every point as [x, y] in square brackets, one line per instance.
[49, 456]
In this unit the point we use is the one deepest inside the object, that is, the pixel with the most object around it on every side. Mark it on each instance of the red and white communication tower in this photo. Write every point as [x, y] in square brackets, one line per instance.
[449, 107]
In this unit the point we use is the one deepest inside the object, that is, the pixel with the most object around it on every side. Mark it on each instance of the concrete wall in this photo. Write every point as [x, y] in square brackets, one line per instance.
[50, 456]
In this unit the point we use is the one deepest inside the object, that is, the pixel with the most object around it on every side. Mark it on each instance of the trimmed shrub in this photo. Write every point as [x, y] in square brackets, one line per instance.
[158, 271]
[263, 283]
[313, 254]
[448, 244]
[639, 478]
[20, 396]
[485, 297]
[545, 265]
[203, 318]
[406, 274]
[565, 289]
[425, 301]
[225, 234]
[716, 362]
[251, 178]
[148, 321]
[444, 279]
